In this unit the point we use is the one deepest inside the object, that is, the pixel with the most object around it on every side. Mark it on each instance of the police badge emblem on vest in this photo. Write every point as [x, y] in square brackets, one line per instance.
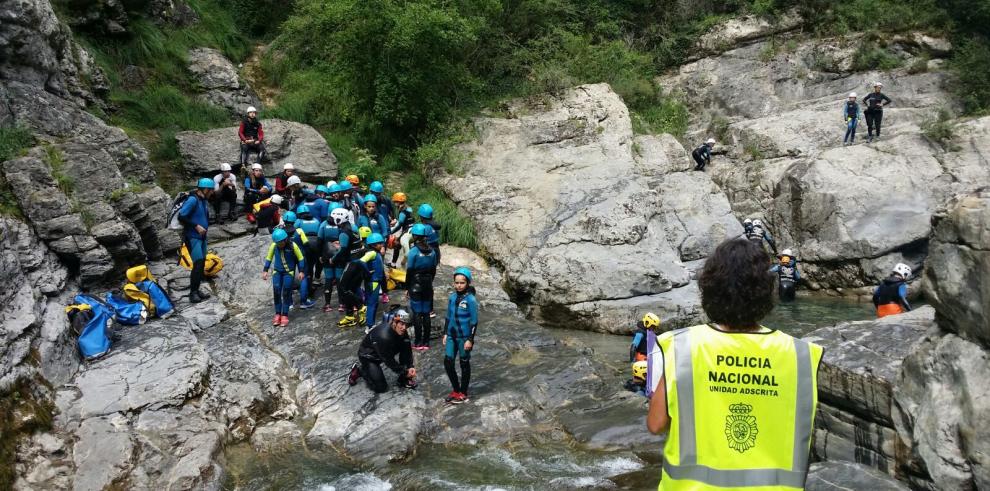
[740, 427]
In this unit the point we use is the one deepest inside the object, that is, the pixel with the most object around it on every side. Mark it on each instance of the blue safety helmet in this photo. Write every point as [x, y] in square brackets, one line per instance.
[302, 210]
[279, 235]
[322, 189]
[421, 230]
[289, 217]
[463, 271]
[425, 211]
[334, 189]
[376, 187]
[375, 238]
[371, 198]
[345, 186]
[205, 183]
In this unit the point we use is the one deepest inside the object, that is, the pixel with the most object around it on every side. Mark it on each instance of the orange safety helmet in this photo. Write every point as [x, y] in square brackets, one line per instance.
[399, 197]
[354, 180]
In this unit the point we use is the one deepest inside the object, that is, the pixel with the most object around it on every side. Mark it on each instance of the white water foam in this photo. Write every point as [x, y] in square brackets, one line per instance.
[357, 482]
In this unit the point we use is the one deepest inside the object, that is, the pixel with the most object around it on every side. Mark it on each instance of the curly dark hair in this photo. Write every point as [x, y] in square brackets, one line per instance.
[736, 284]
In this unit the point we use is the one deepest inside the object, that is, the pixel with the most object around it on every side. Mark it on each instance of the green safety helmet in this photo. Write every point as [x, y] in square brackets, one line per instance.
[364, 232]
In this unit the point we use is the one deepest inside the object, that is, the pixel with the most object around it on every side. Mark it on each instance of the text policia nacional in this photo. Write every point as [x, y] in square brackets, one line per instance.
[742, 382]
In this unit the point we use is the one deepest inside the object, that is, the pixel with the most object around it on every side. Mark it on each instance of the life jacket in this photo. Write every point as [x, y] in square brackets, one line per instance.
[755, 234]
[310, 227]
[251, 128]
[742, 409]
[852, 110]
[787, 271]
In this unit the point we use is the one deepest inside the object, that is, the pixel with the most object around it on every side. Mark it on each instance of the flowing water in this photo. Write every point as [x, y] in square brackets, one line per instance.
[573, 461]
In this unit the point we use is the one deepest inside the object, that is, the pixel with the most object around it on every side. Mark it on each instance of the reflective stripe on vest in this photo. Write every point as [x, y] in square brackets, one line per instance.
[684, 465]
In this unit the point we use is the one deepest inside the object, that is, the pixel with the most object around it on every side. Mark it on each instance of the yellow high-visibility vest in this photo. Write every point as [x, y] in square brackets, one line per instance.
[742, 409]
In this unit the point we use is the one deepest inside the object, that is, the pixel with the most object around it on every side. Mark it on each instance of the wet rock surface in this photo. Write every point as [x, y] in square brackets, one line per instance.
[842, 476]
[286, 141]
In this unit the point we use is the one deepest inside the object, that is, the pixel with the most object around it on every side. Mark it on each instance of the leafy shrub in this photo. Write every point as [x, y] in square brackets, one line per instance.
[970, 84]
[940, 128]
[14, 140]
[872, 57]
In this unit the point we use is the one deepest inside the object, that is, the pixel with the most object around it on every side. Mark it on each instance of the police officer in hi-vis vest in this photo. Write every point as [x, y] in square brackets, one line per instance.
[737, 400]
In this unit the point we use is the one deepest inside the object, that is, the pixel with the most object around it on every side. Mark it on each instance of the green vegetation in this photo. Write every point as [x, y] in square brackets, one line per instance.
[871, 56]
[456, 228]
[940, 128]
[56, 161]
[14, 140]
[970, 66]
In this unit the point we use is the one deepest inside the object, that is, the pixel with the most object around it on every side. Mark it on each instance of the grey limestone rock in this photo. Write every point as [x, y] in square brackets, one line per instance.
[220, 82]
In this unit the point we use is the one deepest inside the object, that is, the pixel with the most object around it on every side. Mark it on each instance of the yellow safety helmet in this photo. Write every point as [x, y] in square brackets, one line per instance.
[364, 232]
[651, 321]
[639, 370]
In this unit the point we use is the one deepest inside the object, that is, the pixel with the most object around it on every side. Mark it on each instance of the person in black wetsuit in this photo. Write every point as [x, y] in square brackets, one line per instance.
[788, 275]
[874, 101]
[703, 154]
[381, 346]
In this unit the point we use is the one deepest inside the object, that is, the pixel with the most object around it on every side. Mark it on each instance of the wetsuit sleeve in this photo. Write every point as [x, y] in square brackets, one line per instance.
[300, 258]
[638, 338]
[398, 223]
[247, 185]
[302, 237]
[775, 268]
[369, 256]
[473, 305]
[451, 311]
[345, 240]
[797, 273]
[405, 353]
[902, 294]
[270, 256]
[769, 238]
[886, 99]
[188, 208]
[240, 132]
[261, 132]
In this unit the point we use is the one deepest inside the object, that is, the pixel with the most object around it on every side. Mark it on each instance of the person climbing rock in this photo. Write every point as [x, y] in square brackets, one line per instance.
[755, 232]
[376, 280]
[850, 114]
[225, 191]
[890, 297]
[347, 241]
[637, 383]
[256, 188]
[874, 101]
[459, 332]
[252, 137]
[753, 377]
[403, 221]
[195, 219]
[356, 274]
[282, 184]
[310, 227]
[381, 346]
[421, 268]
[288, 262]
[703, 154]
[637, 350]
[788, 275]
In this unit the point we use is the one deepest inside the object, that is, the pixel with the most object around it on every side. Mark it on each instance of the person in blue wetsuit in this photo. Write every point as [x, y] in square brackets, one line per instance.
[850, 114]
[376, 281]
[377, 189]
[302, 240]
[372, 218]
[403, 221]
[329, 239]
[458, 338]
[347, 241]
[309, 226]
[194, 215]
[287, 260]
[421, 267]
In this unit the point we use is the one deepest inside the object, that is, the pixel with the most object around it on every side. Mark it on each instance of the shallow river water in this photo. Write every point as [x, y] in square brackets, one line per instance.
[521, 463]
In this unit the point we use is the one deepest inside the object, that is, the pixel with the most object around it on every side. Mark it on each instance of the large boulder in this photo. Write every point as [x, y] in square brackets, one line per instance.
[286, 141]
[590, 224]
[220, 82]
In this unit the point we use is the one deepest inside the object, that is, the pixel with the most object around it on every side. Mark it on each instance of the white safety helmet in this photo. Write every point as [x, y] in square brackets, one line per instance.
[256, 167]
[293, 180]
[878, 84]
[340, 215]
[277, 199]
[288, 167]
[903, 270]
[852, 95]
[225, 167]
[757, 223]
[747, 221]
[710, 141]
[787, 252]
[331, 184]
[251, 109]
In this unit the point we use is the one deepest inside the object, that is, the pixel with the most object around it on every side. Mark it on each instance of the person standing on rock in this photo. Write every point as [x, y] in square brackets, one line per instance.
[425, 212]
[282, 184]
[252, 137]
[287, 260]
[357, 273]
[225, 191]
[749, 424]
[377, 189]
[874, 101]
[309, 226]
[381, 346]
[421, 268]
[256, 188]
[703, 154]
[376, 282]
[890, 297]
[195, 218]
[347, 241]
[458, 337]
[850, 114]
[401, 224]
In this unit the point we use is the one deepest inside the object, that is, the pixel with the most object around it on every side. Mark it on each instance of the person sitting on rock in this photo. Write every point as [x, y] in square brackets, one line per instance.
[756, 233]
[194, 215]
[788, 275]
[381, 346]
[421, 268]
[225, 191]
[287, 260]
[267, 213]
[875, 101]
[850, 114]
[252, 137]
[459, 333]
[890, 297]
[256, 188]
[637, 350]
[703, 154]
[356, 274]
[309, 226]
[294, 192]
[282, 184]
